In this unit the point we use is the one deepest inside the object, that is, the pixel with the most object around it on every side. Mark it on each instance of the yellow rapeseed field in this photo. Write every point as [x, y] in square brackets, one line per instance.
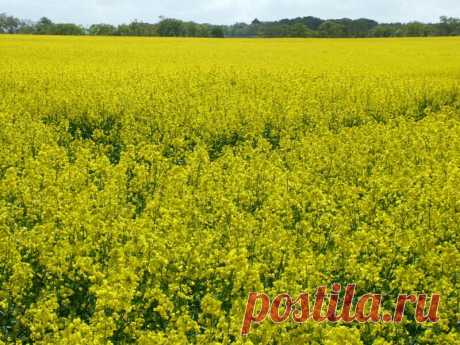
[147, 185]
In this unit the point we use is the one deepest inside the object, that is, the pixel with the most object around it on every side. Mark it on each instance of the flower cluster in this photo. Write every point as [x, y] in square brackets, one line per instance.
[148, 185]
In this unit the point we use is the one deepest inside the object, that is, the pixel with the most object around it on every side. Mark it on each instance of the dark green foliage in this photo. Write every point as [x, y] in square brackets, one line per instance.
[297, 27]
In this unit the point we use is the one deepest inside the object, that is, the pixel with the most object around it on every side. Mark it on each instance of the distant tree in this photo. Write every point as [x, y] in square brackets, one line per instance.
[449, 25]
[300, 30]
[361, 27]
[383, 30]
[346, 24]
[254, 27]
[331, 28]
[44, 26]
[137, 28]
[283, 30]
[217, 31]
[312, 23]
[203, 30]
[123, 30]
[66, 29]
[45, 21]
[296, 27]
[416, 29]
[238, 29]
[9, 24]
[27, 27]
[190, 29]
[102, 30]
[171, 27]
[268, 30]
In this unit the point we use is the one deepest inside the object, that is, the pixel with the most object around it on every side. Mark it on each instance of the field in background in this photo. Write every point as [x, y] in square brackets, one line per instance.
[148, 185]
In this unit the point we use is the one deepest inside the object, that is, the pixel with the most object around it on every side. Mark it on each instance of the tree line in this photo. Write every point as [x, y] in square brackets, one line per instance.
[297, 27]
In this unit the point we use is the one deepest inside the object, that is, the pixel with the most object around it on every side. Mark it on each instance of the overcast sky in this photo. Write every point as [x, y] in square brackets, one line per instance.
[227, 11]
